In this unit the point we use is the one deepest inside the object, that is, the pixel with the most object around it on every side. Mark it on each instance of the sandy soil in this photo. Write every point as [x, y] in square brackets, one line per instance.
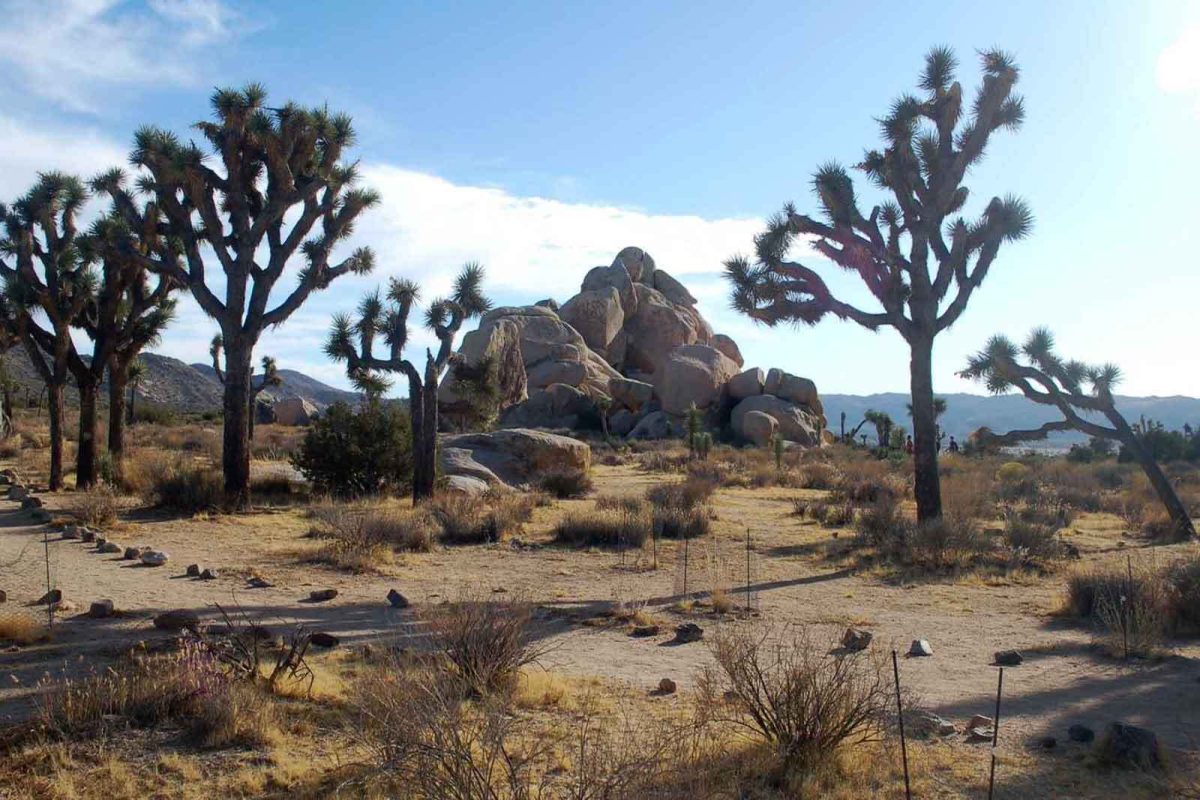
[1064, 679]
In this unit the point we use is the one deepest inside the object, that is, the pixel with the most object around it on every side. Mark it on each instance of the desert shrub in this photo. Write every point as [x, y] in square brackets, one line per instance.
[681, 523]
[363, 536]
[665, 461]
[866, 482]
[830, 515]
[968, 494]
[18, 627]
[717, 473]
[566, 483]
[1015, 482]
[796, 696]
[686, 494]
[1128, 604]
[817, 475]
[186, 487]
[1073, 485]
[1183, 594]
[1045, 510]
[607, 527]
[485, 643]
[626, 503]
[483, 519]
[96, 507]
[1031, 542]
[947, 542]
[350, 453]
[154, 414]
[882, 526]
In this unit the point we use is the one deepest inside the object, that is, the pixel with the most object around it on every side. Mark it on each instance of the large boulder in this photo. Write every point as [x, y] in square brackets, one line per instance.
[514, 457]
[598, 317]
[656, 425]
[638, 263]
[796, 423]
[746, 384]
[730, 348]
[693, 375]
[559, 405]
[759, 427]
[293, 411]
[614, 277]
[794, 389]
[657, 328]
[672, 289]
[631, 394]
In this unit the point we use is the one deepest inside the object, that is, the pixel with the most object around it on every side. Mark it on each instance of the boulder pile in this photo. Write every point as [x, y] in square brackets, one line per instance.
[632, 347]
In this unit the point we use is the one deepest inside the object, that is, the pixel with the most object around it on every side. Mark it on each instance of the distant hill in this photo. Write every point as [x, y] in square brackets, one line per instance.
[191, 388]
[968, 412]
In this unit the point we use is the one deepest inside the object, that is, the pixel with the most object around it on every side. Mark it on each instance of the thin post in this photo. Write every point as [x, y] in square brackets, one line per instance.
[747, 571]
[1128, 619]
[685, 566]
[995, 734]
[46, 549]
[900, 717]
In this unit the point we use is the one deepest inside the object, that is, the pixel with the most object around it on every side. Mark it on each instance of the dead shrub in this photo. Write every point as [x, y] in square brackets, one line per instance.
[480, 520]
[1031, 543]
[1183, 595]
[626, 503]
[817, 475]
[948, 542]
[604, 527]
[665, 461]
[186, 487]
[565, 484]
[867, 482]
[881, 526]
[364, 535]
[96, 507]
[689, 493]
[681, 523]
[968, 494]
[1128, 604]
[486, 643]
[795, 695]
[21, 628]
[829, 515]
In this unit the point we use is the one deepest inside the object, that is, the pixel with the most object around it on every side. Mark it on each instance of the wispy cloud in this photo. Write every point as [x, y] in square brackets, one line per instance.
[72, 51]
[1179, 66]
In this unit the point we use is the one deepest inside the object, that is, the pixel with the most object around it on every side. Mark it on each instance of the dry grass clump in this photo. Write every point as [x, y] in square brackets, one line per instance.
[483, 519]
[1031, 543]
[829, 515]
[186, 487]
[18, 627]
[795, 695]
[566, 483]
[689, 493]
[607, 526]
[486, 643]
[96, 507]
[947, 543]
[364, 535]
[681, 523]
[867, 481]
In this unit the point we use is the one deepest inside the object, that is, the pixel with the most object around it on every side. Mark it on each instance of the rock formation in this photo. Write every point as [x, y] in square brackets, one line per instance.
[631, 344]
[513, 457]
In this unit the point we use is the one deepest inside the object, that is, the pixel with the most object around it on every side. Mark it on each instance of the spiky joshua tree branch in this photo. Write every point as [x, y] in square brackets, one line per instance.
[1080, 392]
[352, 340]
[918, 256]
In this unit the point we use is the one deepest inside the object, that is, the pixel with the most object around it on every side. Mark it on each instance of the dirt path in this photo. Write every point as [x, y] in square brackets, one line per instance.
[1064, 680]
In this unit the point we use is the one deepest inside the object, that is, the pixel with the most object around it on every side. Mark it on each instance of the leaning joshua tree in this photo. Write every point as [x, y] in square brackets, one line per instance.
[1082, 394]
[130, 311]
[270, 377]
[278, 190]
[45, 278]
[916, 256]
[353, 341]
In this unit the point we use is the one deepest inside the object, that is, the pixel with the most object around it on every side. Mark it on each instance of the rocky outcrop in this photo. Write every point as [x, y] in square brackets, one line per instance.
[796, 423]
[693, 374]
[656, 328]
[512, 457]
[293, 411]
[746, 384]
[758, 427]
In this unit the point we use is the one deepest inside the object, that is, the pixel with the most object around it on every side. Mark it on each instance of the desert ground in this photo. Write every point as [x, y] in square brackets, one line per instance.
[588, 601]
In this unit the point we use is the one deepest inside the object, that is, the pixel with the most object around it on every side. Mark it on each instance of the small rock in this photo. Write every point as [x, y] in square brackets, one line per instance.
[31, 502]
[397, 600]
[193, 570]
[643, 631]
[980, 734]
[688, 632]
[208, 574]
[1130, 747]
[18, 493]
[1080, 733]
[855, 639]
[259, 583]
[100, 541]
[980, 721]
[321, 595]
[87, 535]
[1008, 658]
[177, 620]
[101, 609]
[666, 686]
[52, 596]
[921, 724]
[70, 531]
[109, 547]
[920, 647]
[154, 558]
[1048, 742]
[320, 639]
[132, 553]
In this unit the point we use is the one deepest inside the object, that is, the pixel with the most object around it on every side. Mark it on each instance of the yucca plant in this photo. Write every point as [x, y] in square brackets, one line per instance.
[276, 191]
[1078, 391]
[909, 251]
[352, 340]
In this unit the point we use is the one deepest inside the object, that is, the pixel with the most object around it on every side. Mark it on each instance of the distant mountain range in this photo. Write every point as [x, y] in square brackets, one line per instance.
[192, 388]
[968, 412]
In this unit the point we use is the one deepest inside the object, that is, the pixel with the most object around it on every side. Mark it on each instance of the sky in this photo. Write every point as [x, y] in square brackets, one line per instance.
[541, 138]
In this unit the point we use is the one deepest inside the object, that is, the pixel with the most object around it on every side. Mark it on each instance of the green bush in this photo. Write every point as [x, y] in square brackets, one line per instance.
[351, 453]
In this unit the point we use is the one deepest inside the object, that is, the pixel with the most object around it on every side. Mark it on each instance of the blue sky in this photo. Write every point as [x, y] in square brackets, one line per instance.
[540, 138]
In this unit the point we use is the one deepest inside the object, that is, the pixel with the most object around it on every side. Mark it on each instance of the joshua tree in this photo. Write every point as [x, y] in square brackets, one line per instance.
[1078, 391]
[270, 162]
[129, 314]
[270, 377]
[8, 340]
[911, 250]
[47, 277]
[882, 423]
[353, 341]
[134, 375]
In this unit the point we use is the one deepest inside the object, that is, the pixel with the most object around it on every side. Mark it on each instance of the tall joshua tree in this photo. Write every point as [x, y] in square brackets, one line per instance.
[270, 377]
[911, 250]
[353, 341]
[44, 275]
[1080, 392]
[130, 311]
[269, 162]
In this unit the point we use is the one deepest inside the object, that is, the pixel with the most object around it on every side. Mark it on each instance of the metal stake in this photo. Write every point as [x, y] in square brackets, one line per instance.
[995, 734]
[900, 717]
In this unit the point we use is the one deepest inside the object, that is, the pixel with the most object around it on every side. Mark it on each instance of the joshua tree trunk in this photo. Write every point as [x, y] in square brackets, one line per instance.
[429, 427]
[55, 405]
[85, 458]
[926, 483]
[1160, 483]
[7, 411]
[416, 413]
[235, 459]
[118, 380]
